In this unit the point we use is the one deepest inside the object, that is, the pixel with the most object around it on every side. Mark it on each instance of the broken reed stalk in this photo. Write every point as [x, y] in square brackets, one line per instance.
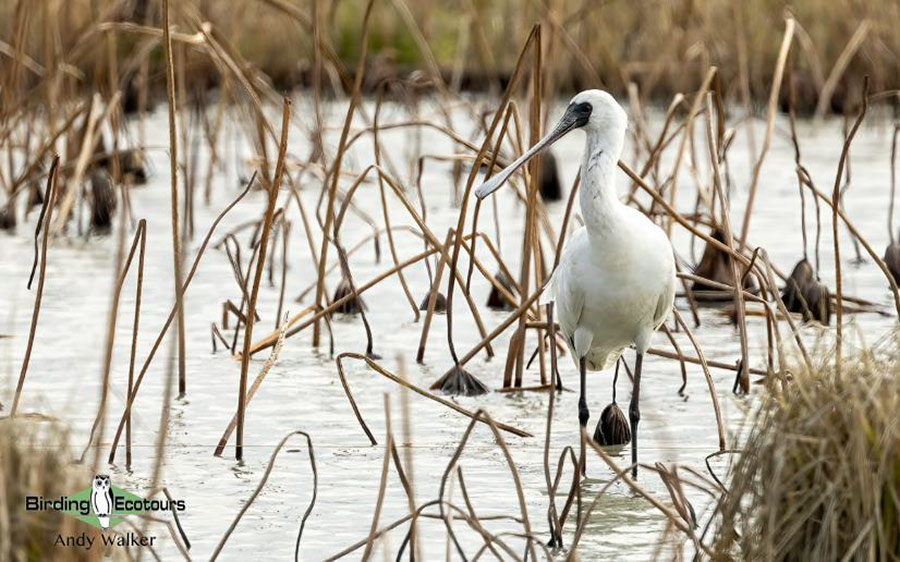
[47, 215]
[893, 173]
[385, 465]
[865, 244]
[481, 415]
[173, 182]
[460, 225]
[162, 333]
[384, 206]
[835, 207]
[262, 484]
[743, 376]
[257, 382]
[686, 136]
[770, 124]
[336, 167]
[840, 65]
[274, 186]
[432, 296]
[142, 226]
[372, 364]
[529, 238]
[118, 283]
[720, 425]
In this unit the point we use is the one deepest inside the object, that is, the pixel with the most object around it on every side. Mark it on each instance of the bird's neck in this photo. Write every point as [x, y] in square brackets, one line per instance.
[599, 204]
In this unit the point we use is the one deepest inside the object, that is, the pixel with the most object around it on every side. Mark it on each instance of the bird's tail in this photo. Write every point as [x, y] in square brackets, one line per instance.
[104, 521]
[549, 294]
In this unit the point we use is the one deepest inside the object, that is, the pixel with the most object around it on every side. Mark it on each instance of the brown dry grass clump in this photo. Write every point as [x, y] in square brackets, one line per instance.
[34, 461]
[819, 478]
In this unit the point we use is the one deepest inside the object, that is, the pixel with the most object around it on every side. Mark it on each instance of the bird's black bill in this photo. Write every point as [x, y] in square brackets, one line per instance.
[576, 116]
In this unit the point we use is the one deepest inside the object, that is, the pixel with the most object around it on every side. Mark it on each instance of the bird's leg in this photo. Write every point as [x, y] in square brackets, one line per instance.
[583, 413]
[634, 412]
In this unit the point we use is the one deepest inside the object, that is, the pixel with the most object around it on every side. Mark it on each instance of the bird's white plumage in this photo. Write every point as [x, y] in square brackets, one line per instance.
[615, 282]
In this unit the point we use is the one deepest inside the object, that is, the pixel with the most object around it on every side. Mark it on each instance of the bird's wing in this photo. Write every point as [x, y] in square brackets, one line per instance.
[109, 498]
[569, 298]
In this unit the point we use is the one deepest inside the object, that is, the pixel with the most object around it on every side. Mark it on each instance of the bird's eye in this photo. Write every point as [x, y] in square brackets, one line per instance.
[583, 108]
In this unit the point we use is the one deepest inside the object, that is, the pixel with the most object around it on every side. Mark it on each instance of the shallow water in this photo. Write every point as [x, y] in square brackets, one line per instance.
[303, 391]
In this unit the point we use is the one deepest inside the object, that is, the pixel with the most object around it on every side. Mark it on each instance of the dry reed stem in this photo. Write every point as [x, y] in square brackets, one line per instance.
[257, 382]
[720, 425]
[432, 296]
[530, 206]
[336, 167]
[385, 465]
[840, 65]
[372, 364]
[743, 376]
[865, 244]
[483, 416]
[118, 283]
[260, 266]
[696, 361]
[173, 183]
[142, 225]
[770, 124]
[384, 208]
[835, 207]
[686, 136]
[162, 333]
[261, 485]
[460, 226]
[49, 202]
[893, 162]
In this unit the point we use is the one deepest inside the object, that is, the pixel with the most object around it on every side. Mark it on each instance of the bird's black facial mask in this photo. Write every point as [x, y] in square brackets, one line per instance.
[576, 115]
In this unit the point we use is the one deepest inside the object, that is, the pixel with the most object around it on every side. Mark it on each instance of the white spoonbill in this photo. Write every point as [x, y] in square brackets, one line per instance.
[615, 283]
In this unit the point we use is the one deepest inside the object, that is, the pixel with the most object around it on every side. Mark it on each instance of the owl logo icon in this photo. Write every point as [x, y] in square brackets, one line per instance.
[102, 499]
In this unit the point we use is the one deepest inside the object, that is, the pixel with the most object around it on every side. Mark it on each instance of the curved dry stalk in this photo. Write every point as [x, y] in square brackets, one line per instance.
[261, 485]
[890, 221]
[720, 425]
[171, 317]
[49, 203]
[432, 297]
[140, 237]
[770, 124]
[840, 65]
[336, 167]
[483, 416]
[385, 373]
[529, 42]
[743, 376]
[384, 207]
[835, 207]
[260, 266]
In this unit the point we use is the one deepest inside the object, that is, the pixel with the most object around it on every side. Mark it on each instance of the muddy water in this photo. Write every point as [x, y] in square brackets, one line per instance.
[302, 391]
